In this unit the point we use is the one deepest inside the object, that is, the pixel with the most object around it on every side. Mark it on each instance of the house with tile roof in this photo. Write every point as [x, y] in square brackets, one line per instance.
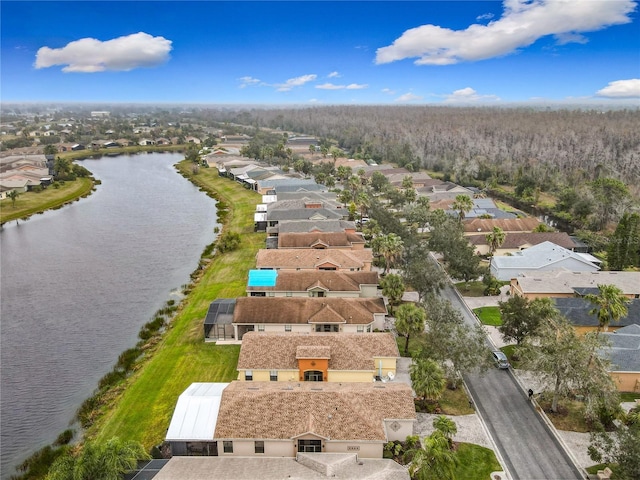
[322, 240]
[564, 283]
[313, 212]
[272, 419]
[542, 257]
[311, 259]
[307, 315]
[474, 226]
[350, 357]
[306, 226]
[515, 242]
[312, 283]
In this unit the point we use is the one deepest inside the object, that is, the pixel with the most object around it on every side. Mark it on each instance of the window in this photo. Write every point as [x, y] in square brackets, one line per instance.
[311, 446]
[360, 329]
[327, 328]
[248, 375]
[227, 446]
[369, 328]
[272, 294]
[273, 375]
[259, 446]
[287, 328]
[313, 376]
[258, 294]
[261, 328]
[289, 294]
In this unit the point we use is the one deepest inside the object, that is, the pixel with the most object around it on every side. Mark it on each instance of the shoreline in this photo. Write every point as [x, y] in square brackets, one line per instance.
[84, 190]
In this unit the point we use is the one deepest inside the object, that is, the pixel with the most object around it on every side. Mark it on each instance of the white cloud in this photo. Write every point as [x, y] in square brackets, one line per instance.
[334, 75]
[329, 86]
[522, 23]
[388, 91]
[295, 82]
[89, 55]
[621, 89]
[469, 95]
[408, 97]
[351, 86]
[248, 81]
[485, 16]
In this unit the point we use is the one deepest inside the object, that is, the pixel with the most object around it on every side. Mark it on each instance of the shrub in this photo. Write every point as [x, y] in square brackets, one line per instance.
[228, 242]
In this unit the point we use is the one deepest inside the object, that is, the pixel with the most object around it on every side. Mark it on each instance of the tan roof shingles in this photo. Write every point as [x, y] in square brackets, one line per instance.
[349, 351]
[311, 259]
[284, 310]
[307, 240]
[518, 239]
[337, 411]
[334, 281]
[485, 225]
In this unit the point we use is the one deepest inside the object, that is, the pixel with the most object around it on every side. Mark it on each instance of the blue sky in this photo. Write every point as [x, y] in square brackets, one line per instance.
[344, 52]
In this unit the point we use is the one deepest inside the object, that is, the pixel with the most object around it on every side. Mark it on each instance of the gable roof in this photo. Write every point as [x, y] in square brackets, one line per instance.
[524, 239]
[485, 225]
[286, 226]
[563, 281]
[539, 256]
[311, 259]
[312, 239]
[290, 310]
[348, 351]
[305, 280]
[305, 214]
[336, 411]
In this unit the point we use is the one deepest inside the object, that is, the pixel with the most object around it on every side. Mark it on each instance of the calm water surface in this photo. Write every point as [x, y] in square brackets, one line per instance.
[78, 283]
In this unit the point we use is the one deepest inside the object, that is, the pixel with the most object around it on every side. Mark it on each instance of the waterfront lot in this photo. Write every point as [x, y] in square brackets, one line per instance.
[142, 409]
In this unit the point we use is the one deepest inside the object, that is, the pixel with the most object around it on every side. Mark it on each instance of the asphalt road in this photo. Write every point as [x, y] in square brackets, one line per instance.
[529, 450]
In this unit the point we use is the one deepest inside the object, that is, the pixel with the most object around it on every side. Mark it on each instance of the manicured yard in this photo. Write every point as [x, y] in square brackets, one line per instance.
[476, 462]
[143, 410]
[29, 203]
[471, 289]
[489, 315]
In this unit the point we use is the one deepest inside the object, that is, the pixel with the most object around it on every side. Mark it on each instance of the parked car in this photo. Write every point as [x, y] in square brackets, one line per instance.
[500, 359]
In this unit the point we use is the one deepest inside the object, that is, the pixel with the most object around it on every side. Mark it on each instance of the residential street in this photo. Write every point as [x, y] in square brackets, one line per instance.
[529, 450]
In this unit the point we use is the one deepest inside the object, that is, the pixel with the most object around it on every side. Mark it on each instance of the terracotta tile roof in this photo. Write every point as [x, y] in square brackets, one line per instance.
[520, 239]
[347, 351]
[312, 259]
[329, 280]
[313, 351]
[339, 411]
[281, 310]
[326, 239]
[485, 225]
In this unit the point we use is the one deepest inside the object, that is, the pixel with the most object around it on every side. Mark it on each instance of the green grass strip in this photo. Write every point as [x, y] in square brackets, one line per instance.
[489, 315]
[142, 409]
[29, 203]
[476, 462]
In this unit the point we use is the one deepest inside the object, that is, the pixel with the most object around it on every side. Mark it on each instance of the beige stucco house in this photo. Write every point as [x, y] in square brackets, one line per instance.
[563, 283]
[307, 315]
[269, 419]
[284, 357]
[312, 283]
[311, 259]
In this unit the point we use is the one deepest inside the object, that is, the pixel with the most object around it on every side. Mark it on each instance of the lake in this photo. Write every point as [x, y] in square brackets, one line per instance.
[78, 283]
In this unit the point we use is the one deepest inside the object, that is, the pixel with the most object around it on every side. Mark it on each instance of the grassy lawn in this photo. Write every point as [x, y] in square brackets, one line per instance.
[489, 315]
[476, 462]
[142, 411]
[509, 351]
[629, 396]
[455, 402]
[29, 203]
[471, 289]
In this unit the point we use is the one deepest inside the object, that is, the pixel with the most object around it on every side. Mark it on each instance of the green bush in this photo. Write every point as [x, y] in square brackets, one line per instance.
[228, 242]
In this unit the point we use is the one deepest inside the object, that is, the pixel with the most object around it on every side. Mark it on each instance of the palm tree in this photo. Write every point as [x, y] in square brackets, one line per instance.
[393, 288]
[410, 320]
[463, 204]
[434, 459]
[390, 247]
[13, 195]
[495, 239]
[447, 426]
[610, 305]
[427, 378]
